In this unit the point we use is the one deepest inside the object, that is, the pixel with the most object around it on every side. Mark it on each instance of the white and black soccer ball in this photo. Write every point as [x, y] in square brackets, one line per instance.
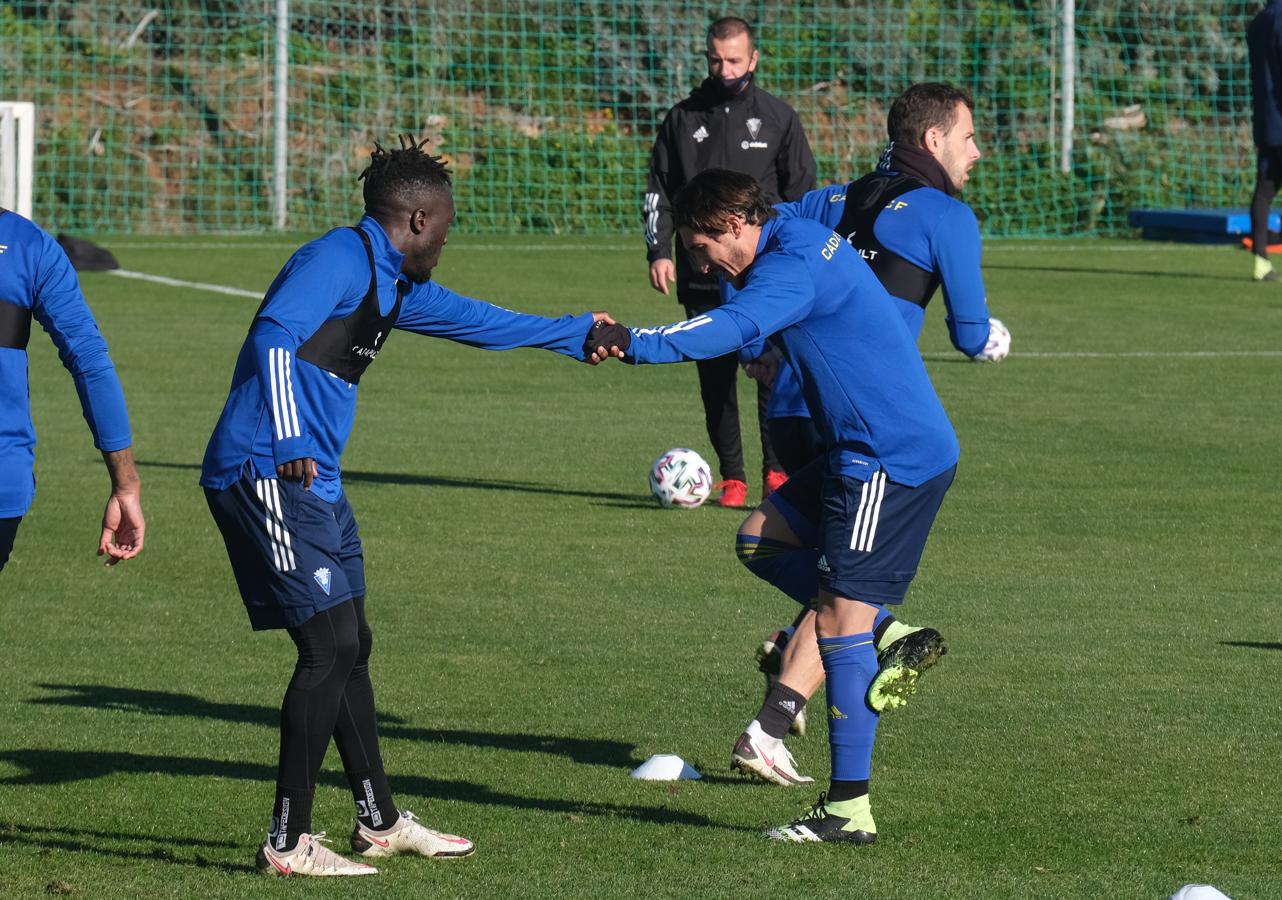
[680, 477]
[998, 345]
[1199, 892]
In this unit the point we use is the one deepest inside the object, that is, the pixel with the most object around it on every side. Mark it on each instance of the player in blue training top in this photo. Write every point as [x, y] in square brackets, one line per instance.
[905, 221]
[892, 453]
[271, 477]
[38, 282]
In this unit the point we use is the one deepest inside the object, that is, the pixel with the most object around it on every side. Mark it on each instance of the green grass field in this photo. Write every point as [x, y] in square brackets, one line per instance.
[1106, 569]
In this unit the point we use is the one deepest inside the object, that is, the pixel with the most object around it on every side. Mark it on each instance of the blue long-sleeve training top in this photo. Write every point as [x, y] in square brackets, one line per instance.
[38, 282]
[813, 297]
[933, 231]
[282, 407]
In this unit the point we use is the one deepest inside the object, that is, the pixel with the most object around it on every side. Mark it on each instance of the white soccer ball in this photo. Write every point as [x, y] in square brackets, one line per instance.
[680, 477]
[998, 345]
[1199, 892]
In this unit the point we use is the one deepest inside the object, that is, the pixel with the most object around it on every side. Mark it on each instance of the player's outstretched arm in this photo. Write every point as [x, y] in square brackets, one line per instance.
[123, 526]
[430, 309]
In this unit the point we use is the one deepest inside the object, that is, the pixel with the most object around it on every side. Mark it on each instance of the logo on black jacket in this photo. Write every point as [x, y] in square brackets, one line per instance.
[754, 129]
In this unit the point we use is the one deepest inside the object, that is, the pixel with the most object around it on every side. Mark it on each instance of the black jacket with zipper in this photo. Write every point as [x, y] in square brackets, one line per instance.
[751, 132]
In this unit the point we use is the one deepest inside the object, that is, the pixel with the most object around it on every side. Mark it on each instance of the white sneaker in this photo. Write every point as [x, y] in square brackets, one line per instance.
[409, 835]
[310, 857]
[766, 758]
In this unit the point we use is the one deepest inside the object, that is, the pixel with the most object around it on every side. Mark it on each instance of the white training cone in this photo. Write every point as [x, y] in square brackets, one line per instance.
[1198, 892]
[665, 767]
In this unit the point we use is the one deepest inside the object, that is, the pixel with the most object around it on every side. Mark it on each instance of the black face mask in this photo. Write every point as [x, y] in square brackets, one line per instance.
[730, 89]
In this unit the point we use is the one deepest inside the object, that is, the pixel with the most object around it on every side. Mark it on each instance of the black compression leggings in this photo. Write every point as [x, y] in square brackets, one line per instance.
[330, 695]
[1266, 188]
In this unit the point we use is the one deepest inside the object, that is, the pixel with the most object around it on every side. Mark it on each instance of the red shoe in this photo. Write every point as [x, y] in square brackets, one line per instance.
[734, 494]
[772, 481]
[1249, 244]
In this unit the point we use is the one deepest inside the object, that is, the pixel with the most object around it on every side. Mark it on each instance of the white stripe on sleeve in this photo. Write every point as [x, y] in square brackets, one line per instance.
[271, 377]
[289, 384]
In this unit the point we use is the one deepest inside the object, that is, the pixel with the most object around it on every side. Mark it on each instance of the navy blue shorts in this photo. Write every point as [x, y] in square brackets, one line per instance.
[293, 553]
[871, 533]
[8, 531]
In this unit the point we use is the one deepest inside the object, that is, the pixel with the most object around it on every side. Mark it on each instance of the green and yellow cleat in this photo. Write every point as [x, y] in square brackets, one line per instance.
[901, 663]
[1264, 270]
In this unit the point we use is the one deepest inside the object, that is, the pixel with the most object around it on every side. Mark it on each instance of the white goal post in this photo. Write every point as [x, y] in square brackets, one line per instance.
[17, 155]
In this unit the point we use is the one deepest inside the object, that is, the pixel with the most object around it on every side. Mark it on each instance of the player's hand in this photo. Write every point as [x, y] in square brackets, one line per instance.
[606, 339]
[998, 346]
[662, 273]
[303, 470]
[123, 527]
[764, 368]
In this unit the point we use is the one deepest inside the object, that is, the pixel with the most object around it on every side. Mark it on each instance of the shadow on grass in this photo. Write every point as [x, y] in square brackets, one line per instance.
[1253, 645]
[1092, 270]
[84, 840]
[480, 484]
[617, 754]
[649, 505]
[58, 767]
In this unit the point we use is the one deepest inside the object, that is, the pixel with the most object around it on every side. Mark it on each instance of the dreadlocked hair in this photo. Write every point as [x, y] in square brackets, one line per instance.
[397, 178]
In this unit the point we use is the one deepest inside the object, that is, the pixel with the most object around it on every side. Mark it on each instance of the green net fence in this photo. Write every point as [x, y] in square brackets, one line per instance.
[161, 118]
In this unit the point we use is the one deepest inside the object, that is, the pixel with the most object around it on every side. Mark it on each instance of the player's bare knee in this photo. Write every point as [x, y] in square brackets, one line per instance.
[753, 524]
[766, 521]
[837, 616]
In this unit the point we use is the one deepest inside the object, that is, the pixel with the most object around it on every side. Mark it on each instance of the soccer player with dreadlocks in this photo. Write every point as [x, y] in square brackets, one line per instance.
[271, 477]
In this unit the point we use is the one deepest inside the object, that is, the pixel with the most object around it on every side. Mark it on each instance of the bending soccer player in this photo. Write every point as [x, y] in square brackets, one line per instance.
[38, 282]
[271, 477]
[892, 451]
[916, 236]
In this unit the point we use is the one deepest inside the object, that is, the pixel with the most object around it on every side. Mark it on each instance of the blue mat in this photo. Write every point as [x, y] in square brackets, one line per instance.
[1196, 225]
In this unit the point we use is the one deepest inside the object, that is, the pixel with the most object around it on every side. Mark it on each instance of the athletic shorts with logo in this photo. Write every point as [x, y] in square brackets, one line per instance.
[293, 553]
[871, 533]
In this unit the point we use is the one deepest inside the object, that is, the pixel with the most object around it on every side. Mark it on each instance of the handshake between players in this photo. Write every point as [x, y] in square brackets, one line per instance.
[606, 338]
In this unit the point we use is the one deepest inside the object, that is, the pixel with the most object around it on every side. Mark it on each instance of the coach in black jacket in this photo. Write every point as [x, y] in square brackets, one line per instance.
[727, 122]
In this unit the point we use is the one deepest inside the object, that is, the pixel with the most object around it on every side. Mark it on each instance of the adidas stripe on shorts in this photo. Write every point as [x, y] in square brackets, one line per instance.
[293, 553]
[871, 533]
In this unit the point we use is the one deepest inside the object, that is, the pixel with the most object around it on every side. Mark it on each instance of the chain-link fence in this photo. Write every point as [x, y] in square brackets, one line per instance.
[161, 118]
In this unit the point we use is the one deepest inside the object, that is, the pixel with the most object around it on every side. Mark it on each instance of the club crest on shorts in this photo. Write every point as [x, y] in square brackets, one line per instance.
[321, 577]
